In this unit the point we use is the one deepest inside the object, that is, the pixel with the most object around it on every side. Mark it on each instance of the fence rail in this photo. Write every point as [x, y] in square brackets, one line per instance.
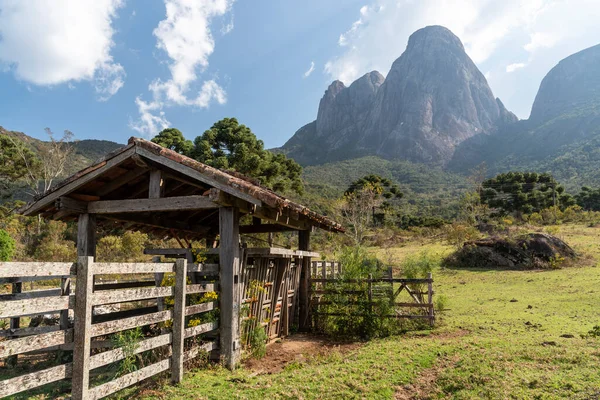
[88, 332]
[418, 294]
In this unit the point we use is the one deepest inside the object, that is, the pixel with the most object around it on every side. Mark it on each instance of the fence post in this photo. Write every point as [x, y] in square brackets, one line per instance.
[305, 283]
[430, 299]
[82, 330]
[65, 290]
[370, 293]
[179, 320]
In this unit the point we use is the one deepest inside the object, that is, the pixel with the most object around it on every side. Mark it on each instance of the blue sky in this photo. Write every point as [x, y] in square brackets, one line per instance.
[112, 69]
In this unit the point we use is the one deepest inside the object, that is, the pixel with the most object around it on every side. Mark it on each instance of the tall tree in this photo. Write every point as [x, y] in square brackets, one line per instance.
[173, 139]
[15, 158]
[362, 198]
[53, 156]
[524, 192]
[228, 145]
[589, 198]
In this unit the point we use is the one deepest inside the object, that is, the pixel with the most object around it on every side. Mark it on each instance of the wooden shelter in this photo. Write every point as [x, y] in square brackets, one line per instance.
[146, 187]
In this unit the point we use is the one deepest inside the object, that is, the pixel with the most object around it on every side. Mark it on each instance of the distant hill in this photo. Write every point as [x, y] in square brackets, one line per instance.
[86, 151]
[561, 136]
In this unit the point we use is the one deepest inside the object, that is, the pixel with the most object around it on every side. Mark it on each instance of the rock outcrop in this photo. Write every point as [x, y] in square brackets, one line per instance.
[433, 98]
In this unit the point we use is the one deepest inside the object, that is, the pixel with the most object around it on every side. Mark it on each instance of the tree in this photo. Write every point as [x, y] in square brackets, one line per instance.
[589, 199]
[173, 139]
[53, 156]
[524, 192]
[362, 198]
[7, 246]
[15, 158]
[233, 147]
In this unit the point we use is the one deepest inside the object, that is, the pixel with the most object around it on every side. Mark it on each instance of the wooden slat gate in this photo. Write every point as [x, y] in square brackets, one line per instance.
[94, 331]
[410, 298]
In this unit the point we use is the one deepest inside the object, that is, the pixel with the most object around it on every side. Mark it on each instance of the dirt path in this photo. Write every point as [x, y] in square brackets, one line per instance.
[296, 348]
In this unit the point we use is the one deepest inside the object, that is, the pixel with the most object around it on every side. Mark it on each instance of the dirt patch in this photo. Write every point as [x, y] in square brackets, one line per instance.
[425, 387]
[296, 348]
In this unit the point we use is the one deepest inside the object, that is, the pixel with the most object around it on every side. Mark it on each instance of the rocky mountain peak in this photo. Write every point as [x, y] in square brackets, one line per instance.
[574, 83]
[432, 99]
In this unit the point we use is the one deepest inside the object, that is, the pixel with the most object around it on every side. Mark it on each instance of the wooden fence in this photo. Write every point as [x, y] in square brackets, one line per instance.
[408, 298]
[325, 269]
[90, 333]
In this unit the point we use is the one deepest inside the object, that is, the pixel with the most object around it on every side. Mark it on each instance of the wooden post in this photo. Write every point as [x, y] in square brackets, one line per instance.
[179, 320]
[370, 293]
[304, 295]
[156, 186]
[83, 324]
[15, 323]
[86, 235]
[430, 299]
[65, 290]
[229, 260]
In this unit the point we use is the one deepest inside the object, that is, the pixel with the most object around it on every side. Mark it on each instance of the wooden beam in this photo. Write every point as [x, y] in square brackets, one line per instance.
[120, 181]
[71, 205]
[185, 170]
[303, 292]
[86, 235]
[265, 228]
[229, 277]
[156, 187]
[151, 205]
[83, 326]
[159, 222]
[94, 171]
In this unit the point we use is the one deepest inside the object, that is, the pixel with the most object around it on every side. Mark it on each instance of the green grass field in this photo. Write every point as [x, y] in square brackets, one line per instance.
[499, 339]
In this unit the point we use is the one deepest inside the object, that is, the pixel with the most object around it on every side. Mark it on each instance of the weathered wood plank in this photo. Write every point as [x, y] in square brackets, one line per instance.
[120, 181]
[156, 186]
[98, 169]
[119, 296]
[36, 269]
[179, 320]
[200, 308]
[83, 322]
[202, 288]
[105, 328]
[229, 259]
[122, 382]
[86, 235]
[199, 329]
[111, 356]
[32, 294]
[305, 283]
[192, 173]
[37, 342]
[151, 205]
[42, 305]
[204, 269]
[35, 379]
[38, 330]
[132, 268]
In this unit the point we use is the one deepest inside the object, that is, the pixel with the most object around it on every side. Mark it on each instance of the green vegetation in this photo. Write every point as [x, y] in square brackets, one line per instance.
[7, 246]
[524, 192]
[509, 334]
[230, 146]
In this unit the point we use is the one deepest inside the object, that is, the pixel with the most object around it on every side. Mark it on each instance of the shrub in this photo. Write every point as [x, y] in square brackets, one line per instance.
[7, 246]
[457, 234]
[356, 314]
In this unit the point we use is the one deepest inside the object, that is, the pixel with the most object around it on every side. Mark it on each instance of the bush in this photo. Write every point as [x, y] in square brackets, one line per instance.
[7, 246]
[355, 315]
[457, 234]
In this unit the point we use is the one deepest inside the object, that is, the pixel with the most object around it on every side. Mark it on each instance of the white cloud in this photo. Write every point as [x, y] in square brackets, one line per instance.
[185, 36]
[226, 28]
[540, 40]
[513, 67]
[310, 70]
[52, 42]
[493, 32]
